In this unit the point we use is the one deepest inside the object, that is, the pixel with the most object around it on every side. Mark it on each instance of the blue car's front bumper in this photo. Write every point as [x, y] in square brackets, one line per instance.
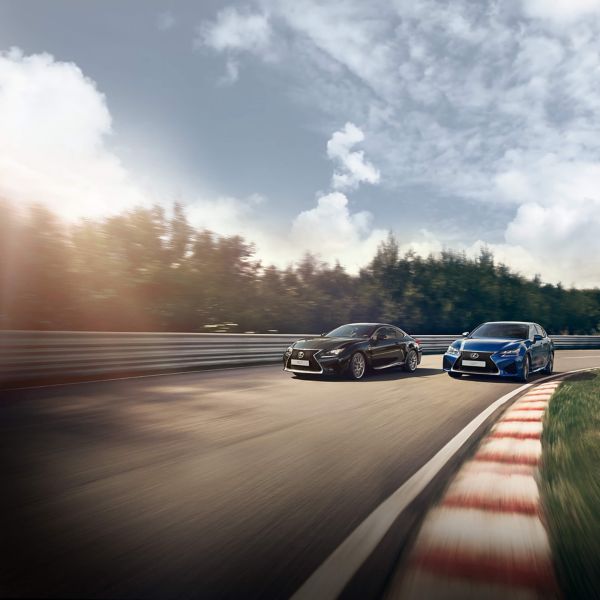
[496, 365]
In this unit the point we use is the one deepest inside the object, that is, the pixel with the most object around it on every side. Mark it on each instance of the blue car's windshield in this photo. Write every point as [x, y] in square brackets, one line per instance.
[510, 331]
[352, 331]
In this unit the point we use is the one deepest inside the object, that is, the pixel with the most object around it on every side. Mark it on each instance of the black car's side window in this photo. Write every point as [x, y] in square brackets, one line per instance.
[385, 333]
[391, 333]
[380, 334]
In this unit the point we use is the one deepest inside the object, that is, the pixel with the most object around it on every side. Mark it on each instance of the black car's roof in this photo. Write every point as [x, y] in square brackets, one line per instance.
[373, 325]
[511, 322]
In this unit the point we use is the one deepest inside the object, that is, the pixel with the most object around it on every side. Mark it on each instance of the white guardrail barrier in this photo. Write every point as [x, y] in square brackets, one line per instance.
[45, 355]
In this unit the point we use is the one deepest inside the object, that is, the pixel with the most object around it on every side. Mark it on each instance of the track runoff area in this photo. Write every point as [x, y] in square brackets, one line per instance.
[238, 483]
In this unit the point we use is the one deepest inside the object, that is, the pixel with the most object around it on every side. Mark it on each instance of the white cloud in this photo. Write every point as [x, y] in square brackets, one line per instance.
[356, 35]
[561, 10]
[558, 218]
[54, 130]
[423, 243]
[234, 30]
[564, 236]
[555, 230]
[232, 72]
[225, 215]
[165, 20]
[331, 231]
[483, 101]
[354, 168]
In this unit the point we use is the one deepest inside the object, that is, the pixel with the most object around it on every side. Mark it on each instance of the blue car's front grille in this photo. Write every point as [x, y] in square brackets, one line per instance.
[490, 366]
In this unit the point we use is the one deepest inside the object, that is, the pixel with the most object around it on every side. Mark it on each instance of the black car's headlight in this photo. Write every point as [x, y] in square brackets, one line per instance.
[289, 350]
[332, 353]
[453, 351]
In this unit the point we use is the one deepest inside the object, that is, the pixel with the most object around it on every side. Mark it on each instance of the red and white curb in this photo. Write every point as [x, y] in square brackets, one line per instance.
[486, 537]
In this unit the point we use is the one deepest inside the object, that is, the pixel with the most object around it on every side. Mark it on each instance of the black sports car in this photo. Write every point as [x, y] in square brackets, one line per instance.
[353, 350]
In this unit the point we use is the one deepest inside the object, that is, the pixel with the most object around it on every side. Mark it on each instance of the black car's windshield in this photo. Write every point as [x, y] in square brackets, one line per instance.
[510, 331]
[352, 331]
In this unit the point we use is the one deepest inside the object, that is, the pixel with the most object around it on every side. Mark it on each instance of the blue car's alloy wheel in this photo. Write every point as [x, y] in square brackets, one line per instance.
[549, 365]
[526, 369]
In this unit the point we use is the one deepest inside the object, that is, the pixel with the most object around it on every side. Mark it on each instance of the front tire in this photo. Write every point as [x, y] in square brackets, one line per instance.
[357, 367]
[550, 365]
[411, 362]
[526, 369]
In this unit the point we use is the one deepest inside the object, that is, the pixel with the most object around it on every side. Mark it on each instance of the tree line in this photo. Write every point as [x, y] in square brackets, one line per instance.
[144, 270]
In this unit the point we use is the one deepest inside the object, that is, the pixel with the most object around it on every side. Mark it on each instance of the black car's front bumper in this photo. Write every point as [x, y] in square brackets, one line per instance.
[318, 364]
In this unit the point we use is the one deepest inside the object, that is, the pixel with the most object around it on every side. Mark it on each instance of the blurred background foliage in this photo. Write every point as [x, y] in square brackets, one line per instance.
[145, 270]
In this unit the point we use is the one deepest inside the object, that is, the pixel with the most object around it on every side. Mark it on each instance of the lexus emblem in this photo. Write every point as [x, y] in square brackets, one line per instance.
[301, 354]
[474, 355]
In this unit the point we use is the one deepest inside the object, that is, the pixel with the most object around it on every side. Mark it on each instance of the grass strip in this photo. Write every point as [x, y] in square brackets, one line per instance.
[570, 483]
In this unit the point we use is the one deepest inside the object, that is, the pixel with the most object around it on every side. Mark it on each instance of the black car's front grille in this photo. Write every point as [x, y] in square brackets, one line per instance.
[309, 355]
[490, 366]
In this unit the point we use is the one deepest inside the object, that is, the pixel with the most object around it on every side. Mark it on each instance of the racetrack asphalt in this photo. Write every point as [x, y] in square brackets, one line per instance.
[222, 484]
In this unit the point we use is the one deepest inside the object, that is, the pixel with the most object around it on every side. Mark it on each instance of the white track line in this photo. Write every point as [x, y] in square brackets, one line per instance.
[330, 578]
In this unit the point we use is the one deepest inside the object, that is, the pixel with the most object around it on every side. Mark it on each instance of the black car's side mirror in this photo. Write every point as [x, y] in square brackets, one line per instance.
[322, 334]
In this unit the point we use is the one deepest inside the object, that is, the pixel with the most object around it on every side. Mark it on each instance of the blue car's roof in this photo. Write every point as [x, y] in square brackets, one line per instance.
[511, 322]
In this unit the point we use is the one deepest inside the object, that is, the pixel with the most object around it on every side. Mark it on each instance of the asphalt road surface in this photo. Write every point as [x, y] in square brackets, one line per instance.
[223, 484]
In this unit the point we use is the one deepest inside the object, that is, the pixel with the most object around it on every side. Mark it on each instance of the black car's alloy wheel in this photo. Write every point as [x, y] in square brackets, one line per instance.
[411, 362]
[358, 366]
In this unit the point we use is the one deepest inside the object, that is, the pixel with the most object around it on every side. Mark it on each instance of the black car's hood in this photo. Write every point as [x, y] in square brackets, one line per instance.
[326, 343]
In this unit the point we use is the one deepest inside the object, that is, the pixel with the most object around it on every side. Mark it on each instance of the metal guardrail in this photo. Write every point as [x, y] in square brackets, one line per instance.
[44, 355]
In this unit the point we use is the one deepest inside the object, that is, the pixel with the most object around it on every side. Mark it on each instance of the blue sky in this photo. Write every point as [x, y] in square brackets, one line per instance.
[317, 126]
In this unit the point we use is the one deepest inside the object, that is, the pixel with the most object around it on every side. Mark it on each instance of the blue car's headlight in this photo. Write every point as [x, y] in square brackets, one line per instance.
[334, 352]
[453, 351]
[511, 352]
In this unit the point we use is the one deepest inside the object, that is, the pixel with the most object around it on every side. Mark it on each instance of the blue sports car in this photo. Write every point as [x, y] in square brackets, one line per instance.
[503, 349]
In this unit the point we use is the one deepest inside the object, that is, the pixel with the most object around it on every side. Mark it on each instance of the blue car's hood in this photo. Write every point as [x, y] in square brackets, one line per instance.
[488, 344]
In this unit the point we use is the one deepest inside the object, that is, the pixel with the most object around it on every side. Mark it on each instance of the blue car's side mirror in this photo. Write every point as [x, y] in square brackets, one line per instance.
[465, 333]
[537, 337]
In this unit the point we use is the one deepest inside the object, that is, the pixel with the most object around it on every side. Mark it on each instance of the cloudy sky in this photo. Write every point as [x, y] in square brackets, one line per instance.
[305, 124]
